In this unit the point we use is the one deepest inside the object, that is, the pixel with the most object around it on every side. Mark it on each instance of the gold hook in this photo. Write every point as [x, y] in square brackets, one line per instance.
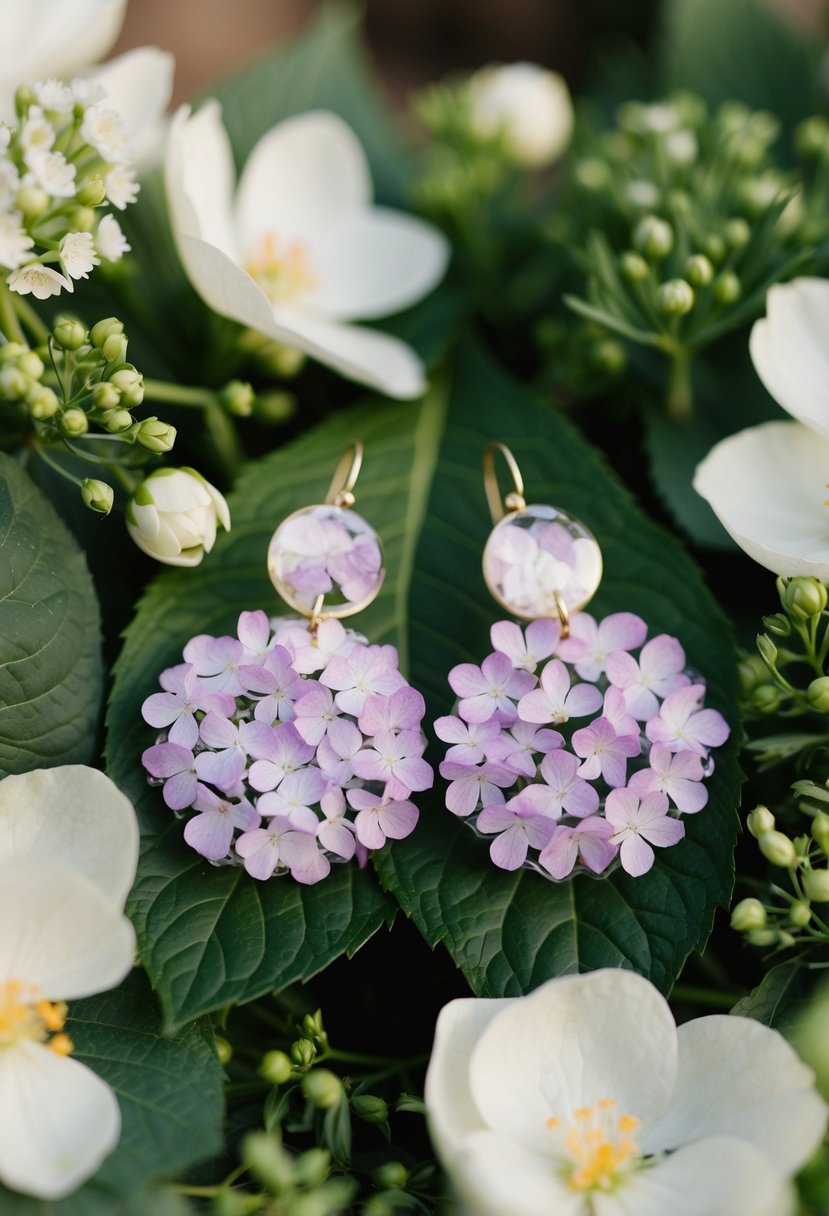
[345, 478]
[514, 500]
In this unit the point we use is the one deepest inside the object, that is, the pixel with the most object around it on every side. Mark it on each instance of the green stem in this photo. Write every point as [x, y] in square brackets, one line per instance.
[680, 400]
[127, 480]
[58, 468]
[8, 317]
[178, 394]
[30, 319]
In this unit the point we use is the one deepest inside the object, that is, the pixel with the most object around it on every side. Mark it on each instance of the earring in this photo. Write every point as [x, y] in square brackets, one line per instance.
[295, 744]
[578, 744]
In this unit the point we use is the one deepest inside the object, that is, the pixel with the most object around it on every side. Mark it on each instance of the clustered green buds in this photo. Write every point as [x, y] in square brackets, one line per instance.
[795, 641]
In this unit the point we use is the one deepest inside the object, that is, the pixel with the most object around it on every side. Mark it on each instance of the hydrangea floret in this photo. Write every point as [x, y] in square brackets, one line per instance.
[288, 748]
[578, 753]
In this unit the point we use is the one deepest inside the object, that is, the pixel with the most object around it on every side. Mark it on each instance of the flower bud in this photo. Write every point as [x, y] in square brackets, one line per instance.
[173, 516]
[103, 329]
[654, 237]
[812, 137]
[800, 914]
[370, 1108]
[728, 288]
[675, 298]
[269, 1161]
[116, 421]
[106, 396]
[766, 699]
[777, 849]
[31, 364]
[817, 695]
[820, 830]
[303, 1052]
[391, 1174]
[737, 233]
[69, 334]
[633, 267]
[97, 495]
[592, 173]
[763, 937]
[322, 1087]
[155, 436]
[699, 271]
[609, 355]
[524, 106]
[224, 1050]
[804, 597]
[82, 219]
[748, 914]
[816, 885]
[276, 1067]
[24, 97]
[130, 382]
[42, 402]
[760, 821]
[92, 191]
[714, 246]
[14, 386]
[752, 671]
[312, 1167]
[114, 348]
[73, 423]
[31, 201]
[778, 624]
[767, 650]
[11, 352]
[237, 398]
[274, 408]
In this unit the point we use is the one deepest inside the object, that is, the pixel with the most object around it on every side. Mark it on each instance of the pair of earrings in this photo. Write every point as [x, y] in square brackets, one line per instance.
[297, 744]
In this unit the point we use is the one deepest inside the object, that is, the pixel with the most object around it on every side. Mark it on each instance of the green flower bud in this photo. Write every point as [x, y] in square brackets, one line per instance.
[804, 597]
[31, 201]
[592, 173]
[14, 386]
[633, 267]
[777, 849]
[276, 1067]
[23, 98]
[101, 330]
[274, 408]
[391, 1174]
[42, 402]
[82, 219]
[800, 914]
[285, 360]
[155, 436]
[728, 288]
[737, 233]
[699, 271]
[817, 695]
[312, 1167]
[11, 352]
[370, 1108]
[303, 1052]
[675, 298]
[106, 396]
[92, 191]
[224, 1050]
[760, 821]
[73, 423]
[131, 384]
[312, 1025]
[654, 237]
[763, 937]
[97, 495]
[816, 885]
[714, 246]
[766, 699]
[748, 914]
[114, 348]
[237, 398]
[767, 649]
[752, 671]
[69, 334]
[269, 1161]
[322, 1088]
[812, 137]
[820, 830]
[609, 356]
[116, 421]
[236, 1203]
[31, 364]
[778, 624]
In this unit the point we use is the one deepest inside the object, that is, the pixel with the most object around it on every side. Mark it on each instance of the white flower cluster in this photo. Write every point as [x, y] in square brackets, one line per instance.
[68, 157]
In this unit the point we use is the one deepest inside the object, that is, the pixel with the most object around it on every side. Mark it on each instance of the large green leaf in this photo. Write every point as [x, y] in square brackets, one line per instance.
[740, 50]
[50, 660]
[171, 1098]
[211, 936]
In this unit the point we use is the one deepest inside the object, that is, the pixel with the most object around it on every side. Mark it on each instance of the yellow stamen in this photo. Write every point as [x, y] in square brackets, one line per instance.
[25, 1016]
[61, 1045]
[598, 1144]
[282, 269]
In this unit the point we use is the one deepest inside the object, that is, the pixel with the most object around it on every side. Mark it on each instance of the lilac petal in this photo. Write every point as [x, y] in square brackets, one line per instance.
[622, 631]
[621, 669]
[253, 631]
[582, 700]
[560, 855]
[463, 795]
[536, 707]
[337, 837]
[507, 638]
[414, 773]
[536, 799]
[217, 731]
[174, 679]
[640, 702]
[709, 728]
[542, 638]
[369, 830]
[344, 737]
[662, 656]
[498, 818]
[210, 834]
[450, 729]
[180, 791]
[467, 680]
[222, 769]
[305, 861]
[594, 844]
[637, 855]
[260, 852]
[161, 709]
[398, 819]
[663, 831]
[166, 759]
[403, 710]
[184, 731]
[581, 800]
[509, 850]
[555, 681]
[479, 709]
[370, 765]
[258, 739]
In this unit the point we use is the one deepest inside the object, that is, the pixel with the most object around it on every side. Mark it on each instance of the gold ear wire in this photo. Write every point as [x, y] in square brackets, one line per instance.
[514, 500]
[340, 492]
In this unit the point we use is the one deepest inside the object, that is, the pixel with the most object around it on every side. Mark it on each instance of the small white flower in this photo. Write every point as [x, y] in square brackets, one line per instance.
[54, 95]
[682, 147]
[103, 129]
[86, 91]
[525, 104]
[15, 242]
[767, 484]
[110, 240]
[37, 134]
[173, 516]
[52, 172]
[585, 1099]
[38, 280]
[77, 254]
[121, 187]
[300, 263]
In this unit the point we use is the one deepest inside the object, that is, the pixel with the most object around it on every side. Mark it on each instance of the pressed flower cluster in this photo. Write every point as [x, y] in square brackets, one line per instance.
[325, 550]
[293, 747]
[68, 156]
[592, 759]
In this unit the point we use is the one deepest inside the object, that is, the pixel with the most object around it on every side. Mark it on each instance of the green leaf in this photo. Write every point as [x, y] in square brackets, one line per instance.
[50, 659]
[740, 50]
[325, 69]
[171, 1098]
[779, 998]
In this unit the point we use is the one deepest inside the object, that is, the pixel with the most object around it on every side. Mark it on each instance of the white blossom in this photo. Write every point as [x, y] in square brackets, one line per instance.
[174, 514]
[121, 187]
[15, 242]
[77, 254]
[110, 240]
[528, 106]
[38, 280]
[52, 172]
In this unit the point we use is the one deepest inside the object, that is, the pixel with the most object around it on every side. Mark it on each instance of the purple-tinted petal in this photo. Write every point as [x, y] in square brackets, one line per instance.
[217, 731]
[166, 759]
[161, 709]
[210, 834]
[622, 631]
[222, 769]
[180, 791]
[398, 819]
[509, 850]
[582, 700]
[467, 680]
[636, 855]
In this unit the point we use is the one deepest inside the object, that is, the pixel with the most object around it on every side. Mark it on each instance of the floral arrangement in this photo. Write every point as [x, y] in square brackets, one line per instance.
[414, 621]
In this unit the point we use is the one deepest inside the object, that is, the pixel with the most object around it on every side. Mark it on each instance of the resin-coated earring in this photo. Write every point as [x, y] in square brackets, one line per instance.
[577, 744]
[295, 744]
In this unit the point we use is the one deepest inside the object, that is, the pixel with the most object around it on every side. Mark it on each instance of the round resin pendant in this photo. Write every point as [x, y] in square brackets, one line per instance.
[326, 561]
[539, 560]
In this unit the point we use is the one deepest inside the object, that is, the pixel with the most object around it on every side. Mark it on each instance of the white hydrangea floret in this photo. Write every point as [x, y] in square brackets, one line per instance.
[15, 242]
[121, 187]
[110, 240]
[38, 280]
[37, 134]
[77, 254]
[103, 129]
[52, 172]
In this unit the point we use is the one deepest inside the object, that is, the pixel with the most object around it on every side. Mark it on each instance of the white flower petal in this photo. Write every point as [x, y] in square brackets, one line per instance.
[306, 174]
[452, 1111]
[75, 815]
[376, 264]
[717, 1177]
[767, 486]
[58, 932]
[573, 1042]
[176, 490]
[58, 1121]
[738, 1078]
[495, 1176]
[790, 349]
[199, 175]
[138, 86]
